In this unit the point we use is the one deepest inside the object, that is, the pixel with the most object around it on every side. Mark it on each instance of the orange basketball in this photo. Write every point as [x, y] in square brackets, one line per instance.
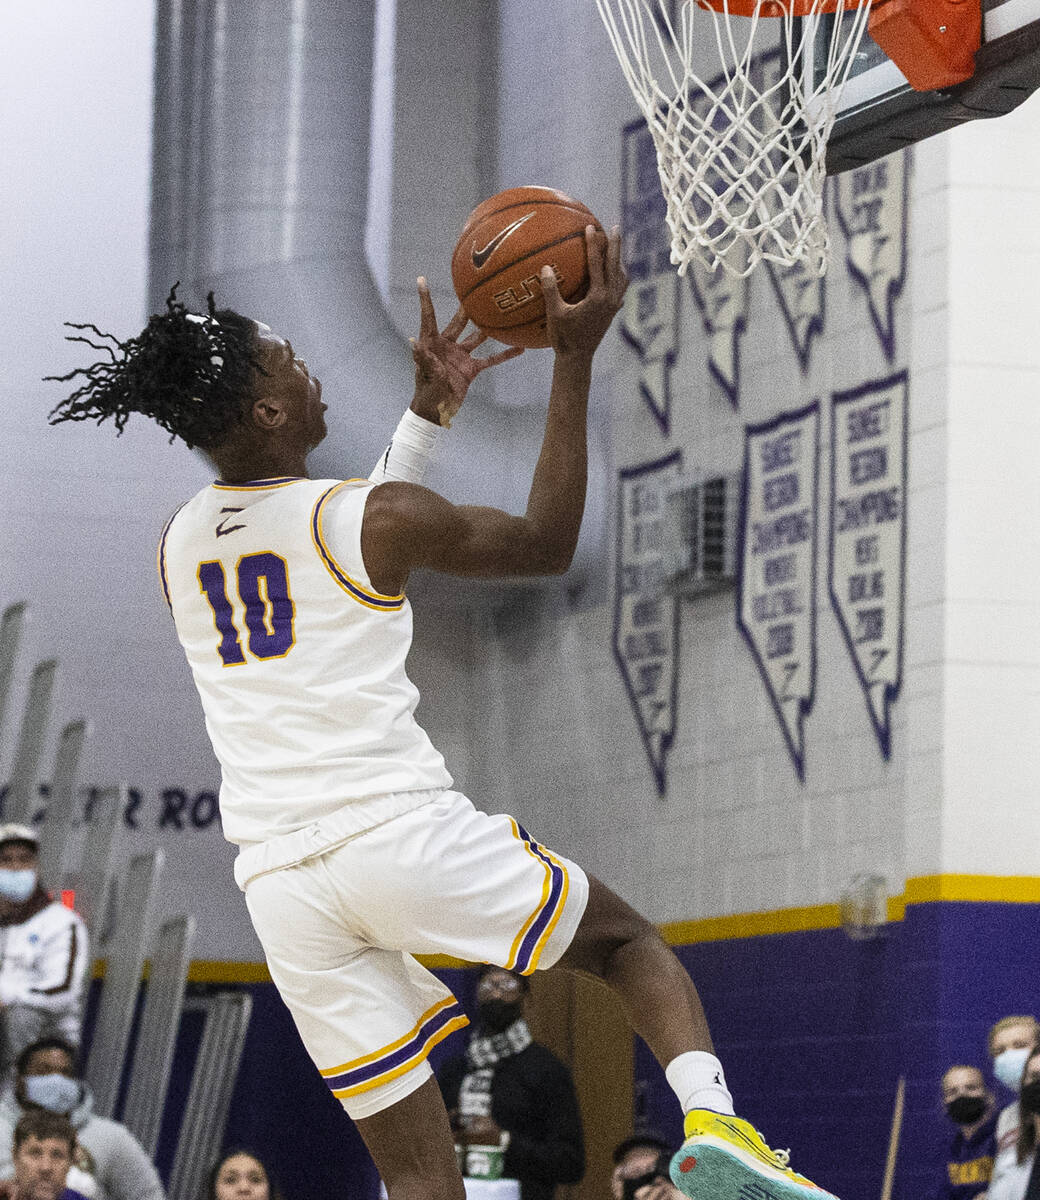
[502, 248]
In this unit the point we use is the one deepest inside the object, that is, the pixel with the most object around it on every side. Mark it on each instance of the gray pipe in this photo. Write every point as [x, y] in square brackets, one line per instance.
[260, 189]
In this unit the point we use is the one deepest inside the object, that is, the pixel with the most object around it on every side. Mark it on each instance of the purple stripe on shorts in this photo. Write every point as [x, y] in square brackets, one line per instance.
[527, 946]
[401, 1055]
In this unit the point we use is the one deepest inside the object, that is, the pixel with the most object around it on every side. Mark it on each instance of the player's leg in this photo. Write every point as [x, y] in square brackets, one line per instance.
[412, 1146]
[447, 879]
[368, 1018]
[723, 1157]
[623, 949]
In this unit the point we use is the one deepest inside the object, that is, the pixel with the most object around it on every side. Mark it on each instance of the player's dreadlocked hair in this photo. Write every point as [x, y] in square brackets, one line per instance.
[190, 374]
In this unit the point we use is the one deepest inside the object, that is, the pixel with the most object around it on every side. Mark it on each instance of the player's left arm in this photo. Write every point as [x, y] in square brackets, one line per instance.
[444, 369]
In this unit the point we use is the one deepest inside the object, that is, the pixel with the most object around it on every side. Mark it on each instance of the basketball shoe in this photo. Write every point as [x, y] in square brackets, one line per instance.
[725, 1158]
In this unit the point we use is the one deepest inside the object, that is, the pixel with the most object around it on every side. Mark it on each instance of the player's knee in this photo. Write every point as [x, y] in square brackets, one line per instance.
[607, 927]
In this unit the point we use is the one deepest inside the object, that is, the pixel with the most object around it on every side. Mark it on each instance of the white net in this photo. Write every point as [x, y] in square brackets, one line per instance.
[741, 145]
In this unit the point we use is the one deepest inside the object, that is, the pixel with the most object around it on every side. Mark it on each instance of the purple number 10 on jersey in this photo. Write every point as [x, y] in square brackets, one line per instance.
[263, 587]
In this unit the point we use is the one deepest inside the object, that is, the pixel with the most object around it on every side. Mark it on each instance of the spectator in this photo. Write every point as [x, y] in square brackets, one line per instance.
[1016, 1181]
[510, 1092]
[1010, 1042]
[641, 1170]
[240, 1175]
[44, 961]
[970, 1106]
[109, 1154]
[43, 1144]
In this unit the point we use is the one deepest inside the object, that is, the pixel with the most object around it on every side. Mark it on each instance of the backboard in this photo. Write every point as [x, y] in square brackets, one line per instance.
[879, 112]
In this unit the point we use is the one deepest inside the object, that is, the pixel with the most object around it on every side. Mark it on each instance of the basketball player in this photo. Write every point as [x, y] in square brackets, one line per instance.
[288, 595]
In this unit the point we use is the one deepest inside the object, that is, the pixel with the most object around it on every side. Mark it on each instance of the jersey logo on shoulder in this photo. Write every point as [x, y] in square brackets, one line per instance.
[221, 530]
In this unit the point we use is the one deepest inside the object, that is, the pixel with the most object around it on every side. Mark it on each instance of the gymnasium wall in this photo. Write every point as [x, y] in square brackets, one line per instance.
[81, 508]
[703, 801]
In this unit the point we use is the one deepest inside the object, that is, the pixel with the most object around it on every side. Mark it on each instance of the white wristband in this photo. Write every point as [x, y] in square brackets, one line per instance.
[409, 452]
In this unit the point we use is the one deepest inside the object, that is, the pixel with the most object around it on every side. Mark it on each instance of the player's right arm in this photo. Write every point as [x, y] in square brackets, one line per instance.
[407, 526]
[444, 369]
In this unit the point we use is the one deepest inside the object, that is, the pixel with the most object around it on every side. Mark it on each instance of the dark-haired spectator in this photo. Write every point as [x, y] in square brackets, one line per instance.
[969, 1105]
[43, 1144]
[1010, 1042]
[641, 1169]
[43, 965]
[240, 1175]
[112, 1159]
[1022, 1177]
[510, 1092]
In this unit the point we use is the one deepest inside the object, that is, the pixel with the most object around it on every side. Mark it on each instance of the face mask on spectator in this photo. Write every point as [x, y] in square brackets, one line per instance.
[1009, 1065]
[966, 1110]
[17, 885]
[58, 1093]
[1029, 1097]
[496, 1015]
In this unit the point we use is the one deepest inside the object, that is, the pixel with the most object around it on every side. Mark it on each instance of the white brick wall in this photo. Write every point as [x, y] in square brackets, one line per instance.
[531, 711]
[736, 830]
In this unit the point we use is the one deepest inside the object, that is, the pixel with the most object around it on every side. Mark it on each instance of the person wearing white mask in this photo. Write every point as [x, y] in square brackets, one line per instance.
[43, 952]
[110, 1163]
[1010, 1042]
[1021, 1180]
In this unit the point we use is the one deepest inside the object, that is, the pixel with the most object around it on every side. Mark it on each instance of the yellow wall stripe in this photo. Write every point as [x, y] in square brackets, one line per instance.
[923, 889]
[755, 924]
[1002, 889]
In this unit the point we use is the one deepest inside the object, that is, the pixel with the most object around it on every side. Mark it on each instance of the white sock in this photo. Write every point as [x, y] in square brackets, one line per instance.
[697, 1079]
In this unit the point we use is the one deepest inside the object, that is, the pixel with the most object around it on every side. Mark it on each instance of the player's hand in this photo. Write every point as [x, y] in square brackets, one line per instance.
[444, 366]
[579, 328]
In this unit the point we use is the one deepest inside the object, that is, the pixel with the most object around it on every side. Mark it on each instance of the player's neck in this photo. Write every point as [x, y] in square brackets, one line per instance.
[269, 462]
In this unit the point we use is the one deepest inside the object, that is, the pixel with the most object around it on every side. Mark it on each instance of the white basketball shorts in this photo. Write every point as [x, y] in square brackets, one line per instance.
[339, 931]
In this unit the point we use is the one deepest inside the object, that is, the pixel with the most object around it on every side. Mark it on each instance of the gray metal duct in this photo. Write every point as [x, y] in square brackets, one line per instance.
[260, 189]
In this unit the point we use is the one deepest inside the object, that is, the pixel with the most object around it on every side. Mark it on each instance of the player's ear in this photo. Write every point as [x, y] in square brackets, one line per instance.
[269, 413]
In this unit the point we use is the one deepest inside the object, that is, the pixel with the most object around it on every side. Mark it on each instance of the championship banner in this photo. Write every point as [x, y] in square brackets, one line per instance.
[800, 294]
[646, 618]
[723, 301]
[873, 206]
[650, 316]
[776, 585]
[867, 571]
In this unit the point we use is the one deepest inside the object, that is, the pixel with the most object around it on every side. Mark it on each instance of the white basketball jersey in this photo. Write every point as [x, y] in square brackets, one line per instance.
[299, 662]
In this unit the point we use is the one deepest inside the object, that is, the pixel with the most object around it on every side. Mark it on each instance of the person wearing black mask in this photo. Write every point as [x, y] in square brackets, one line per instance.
[969, 1105]
[510, 1092]
[1021, 1180]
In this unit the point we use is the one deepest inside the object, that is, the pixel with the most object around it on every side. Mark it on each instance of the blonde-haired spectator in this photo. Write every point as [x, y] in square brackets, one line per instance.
[1010, 1042]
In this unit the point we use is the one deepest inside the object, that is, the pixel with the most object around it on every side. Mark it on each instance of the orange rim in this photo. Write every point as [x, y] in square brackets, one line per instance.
[776, 8]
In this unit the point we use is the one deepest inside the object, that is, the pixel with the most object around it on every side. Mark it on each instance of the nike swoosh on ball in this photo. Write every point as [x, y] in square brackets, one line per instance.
[480, 257]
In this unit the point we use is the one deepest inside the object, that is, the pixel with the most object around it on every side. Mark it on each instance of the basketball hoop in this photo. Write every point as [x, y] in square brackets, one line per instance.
[741, 153]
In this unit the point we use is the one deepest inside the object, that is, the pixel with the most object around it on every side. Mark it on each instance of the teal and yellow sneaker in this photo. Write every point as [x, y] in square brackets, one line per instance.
[725, 1158]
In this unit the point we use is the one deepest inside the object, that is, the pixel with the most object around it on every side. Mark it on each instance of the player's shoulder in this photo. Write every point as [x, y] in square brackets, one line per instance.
[223, 497]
